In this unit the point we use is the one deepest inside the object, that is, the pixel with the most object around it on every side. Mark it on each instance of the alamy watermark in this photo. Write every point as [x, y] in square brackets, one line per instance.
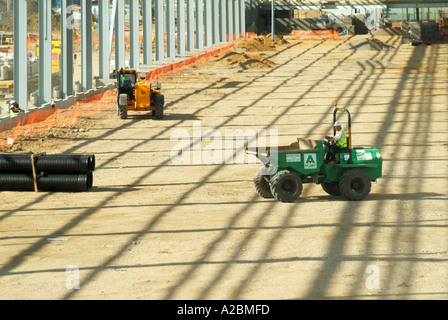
[373, 280]
[230, 146]
[73, 279]
[73, 20]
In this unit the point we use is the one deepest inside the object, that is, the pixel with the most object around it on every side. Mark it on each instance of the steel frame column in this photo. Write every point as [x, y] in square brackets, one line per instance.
[181, 27]
[134, 22]
[207, 23]
[223, 20]
[104, 49]
[243, 18]
[215, 21]
[66, 48]
[229, 20]
[170, 32]
[190, 26]
[120, 53]
[20, 54]
[236, 19]
[160, 54]
[86, 45]
[147, 32]
[199, 25]
[44, 52]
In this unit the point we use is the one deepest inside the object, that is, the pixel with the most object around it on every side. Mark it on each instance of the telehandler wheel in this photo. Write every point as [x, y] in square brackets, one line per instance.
[286, 186]
[332, 188]
[123, 106]
[262, 186]
[159, 101]
[354, 185]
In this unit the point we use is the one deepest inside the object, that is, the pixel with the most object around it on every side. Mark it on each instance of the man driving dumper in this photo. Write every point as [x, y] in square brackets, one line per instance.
[337, 142]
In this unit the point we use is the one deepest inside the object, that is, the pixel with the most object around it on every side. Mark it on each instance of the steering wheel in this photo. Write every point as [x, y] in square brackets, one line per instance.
[329, 140]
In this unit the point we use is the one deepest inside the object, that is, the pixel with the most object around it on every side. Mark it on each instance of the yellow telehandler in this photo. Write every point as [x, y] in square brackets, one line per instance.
[138, 95]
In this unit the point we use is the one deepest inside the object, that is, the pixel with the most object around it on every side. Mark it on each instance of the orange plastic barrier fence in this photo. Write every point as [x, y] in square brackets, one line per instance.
[174, 67]
[315, 35]
[42, 120]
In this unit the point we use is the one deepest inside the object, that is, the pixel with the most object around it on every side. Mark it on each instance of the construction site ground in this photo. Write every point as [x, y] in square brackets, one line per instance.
[153, 229]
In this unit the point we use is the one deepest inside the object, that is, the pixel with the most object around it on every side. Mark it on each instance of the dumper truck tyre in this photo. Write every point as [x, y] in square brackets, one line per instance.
[159, 102]
[123, 106]
[262, 186]
[332, 188]
[286, 186]
[354, 185]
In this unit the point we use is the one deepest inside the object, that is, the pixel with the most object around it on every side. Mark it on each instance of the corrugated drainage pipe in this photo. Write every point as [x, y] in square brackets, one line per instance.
[54, 182]
[54, 164]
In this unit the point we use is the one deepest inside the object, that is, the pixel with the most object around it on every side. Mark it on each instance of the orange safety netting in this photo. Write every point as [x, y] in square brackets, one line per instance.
[45, 119]
[315, 35]
[174, 67]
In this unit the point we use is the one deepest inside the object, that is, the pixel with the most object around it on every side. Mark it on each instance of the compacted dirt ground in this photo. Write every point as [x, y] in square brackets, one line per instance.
[157, 226]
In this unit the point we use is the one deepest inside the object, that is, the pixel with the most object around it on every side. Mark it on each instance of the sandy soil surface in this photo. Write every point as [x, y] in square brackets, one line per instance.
[153, 229]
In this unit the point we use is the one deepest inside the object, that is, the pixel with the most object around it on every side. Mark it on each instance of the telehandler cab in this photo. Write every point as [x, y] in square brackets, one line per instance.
[138, 95]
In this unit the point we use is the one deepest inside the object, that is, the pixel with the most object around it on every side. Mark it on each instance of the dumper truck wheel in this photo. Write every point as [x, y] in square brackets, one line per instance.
[354, 185]
[286, 186]
[123, 106]
[332, 188]
[262, 186]
[159, 101]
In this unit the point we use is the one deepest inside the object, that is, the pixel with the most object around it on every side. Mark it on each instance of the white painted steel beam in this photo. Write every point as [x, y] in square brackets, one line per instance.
[236, 18]
[230, 17]
[215, 21]
[134, 23]
[66, 59]
[45, 89]
[190, 26]
[170, 30]
[104, 48]
[120, 52]
[199, 24]
[20, 54]
[207, 23]
[147, 32]
[223, 20]
[86, 45]
[159, 25]
[181, 27]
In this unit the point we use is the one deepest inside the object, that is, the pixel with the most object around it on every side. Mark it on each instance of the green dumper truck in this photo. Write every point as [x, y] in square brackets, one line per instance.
[287, 168]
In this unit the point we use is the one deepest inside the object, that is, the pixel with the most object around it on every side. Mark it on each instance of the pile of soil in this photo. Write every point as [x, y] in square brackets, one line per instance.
[244, 60]
[248, 54]
[278, 40]
[253, 45]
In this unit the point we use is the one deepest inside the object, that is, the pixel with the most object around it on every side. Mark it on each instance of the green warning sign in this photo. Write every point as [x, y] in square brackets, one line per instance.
[310, 161]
